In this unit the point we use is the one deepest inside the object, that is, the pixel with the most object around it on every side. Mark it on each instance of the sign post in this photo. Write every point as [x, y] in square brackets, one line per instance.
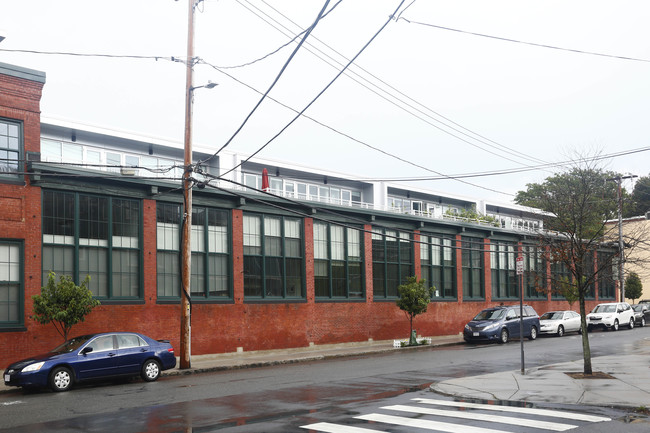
[520, 281]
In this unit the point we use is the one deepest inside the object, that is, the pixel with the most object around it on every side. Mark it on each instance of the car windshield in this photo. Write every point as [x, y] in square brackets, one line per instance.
[552, 315]
[605, 309]
[71, 344]
[637, 307]
[490, 315]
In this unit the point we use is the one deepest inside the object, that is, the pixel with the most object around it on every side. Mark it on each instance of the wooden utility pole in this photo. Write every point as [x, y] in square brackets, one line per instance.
[186, 249]
[621, 245]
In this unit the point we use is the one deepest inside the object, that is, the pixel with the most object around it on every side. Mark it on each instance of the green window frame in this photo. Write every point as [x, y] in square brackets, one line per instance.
[559, 275]
[338, 262]
[535, 277]
[392, 261]
[438, 265]
[502, 263]
[472, 268]
[606, 279]
[211, 252]
[94, 235]
[11, 149]
[12, 288]
[274, 266]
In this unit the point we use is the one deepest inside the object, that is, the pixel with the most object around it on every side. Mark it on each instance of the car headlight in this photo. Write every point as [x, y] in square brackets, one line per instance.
[467, 327]
[33, 367]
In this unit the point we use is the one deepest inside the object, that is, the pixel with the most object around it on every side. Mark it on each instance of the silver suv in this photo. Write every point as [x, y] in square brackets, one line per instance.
[611, 316]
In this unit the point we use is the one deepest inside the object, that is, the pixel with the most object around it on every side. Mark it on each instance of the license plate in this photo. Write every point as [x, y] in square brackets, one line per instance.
[475, 334]
[7, 378]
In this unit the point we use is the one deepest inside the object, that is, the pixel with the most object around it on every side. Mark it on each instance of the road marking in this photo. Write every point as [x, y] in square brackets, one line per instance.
[524, 422]
[336, 428]
[9, 403]
[430, 425]
[525, 410]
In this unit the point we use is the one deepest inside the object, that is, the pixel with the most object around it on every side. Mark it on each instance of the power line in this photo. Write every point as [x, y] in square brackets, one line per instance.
[111, 56]
[317, 96]
[454, 126]
[277, 78]
[526, 43]
[301, 113]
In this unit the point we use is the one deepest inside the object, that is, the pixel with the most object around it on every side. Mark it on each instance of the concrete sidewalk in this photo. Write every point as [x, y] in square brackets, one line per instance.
[235, 360]
[626, 382]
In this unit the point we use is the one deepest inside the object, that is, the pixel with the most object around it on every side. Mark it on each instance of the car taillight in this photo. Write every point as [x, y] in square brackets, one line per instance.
[170, 350]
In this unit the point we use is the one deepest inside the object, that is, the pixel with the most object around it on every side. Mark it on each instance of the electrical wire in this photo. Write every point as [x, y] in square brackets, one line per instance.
[386, 95]
[526, 43]
[277, 78]
[279, 48]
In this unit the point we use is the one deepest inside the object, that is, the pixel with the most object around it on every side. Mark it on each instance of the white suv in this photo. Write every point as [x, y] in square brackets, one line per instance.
[611, 316]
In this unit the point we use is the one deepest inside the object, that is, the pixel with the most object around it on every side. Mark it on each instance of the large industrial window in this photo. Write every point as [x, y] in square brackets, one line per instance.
[337, 261]
[11, 149]
[535, 277]
[392, 261]
[11, 283]
[472, 264]
[96, 236]
[437, 259]
[502, 262]
[210, 244]
[273, 257]
[560, 280]
[606, 272]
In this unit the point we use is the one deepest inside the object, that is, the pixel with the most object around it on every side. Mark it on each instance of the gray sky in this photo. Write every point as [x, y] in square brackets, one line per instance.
[528, 104]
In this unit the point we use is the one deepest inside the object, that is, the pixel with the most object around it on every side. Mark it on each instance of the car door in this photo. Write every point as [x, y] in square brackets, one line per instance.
[572, 320]
[101, 361]
[511, 322]
[132, 352]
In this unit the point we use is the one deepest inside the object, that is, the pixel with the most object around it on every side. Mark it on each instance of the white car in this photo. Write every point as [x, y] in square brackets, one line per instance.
[611, 316]
[559, 322]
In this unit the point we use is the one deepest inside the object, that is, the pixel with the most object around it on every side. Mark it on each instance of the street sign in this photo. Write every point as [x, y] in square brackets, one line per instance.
[520, 266]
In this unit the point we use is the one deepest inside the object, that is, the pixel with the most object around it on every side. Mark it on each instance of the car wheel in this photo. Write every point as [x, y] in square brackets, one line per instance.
[504, 336]
[631, 324]
[615, 325]
[150, 370]
[60, 379]
[560, 331]
[533, 333]
[642, 324]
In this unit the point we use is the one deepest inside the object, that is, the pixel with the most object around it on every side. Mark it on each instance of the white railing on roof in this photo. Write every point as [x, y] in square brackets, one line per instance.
[384, 208]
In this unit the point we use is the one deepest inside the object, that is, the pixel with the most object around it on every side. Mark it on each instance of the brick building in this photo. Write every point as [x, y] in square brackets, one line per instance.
[318, 260]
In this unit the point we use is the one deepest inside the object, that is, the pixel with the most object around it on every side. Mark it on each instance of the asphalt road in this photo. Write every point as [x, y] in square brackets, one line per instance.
[285, 398]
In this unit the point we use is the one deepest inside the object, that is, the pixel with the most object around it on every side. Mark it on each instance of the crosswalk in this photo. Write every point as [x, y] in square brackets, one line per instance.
[461, 417]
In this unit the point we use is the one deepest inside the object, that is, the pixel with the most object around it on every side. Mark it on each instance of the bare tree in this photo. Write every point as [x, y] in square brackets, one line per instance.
[578, 240]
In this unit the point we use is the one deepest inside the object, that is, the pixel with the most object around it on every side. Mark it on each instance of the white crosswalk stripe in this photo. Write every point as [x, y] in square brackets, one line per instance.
[459, 413]
[524, 422]
[524, 410]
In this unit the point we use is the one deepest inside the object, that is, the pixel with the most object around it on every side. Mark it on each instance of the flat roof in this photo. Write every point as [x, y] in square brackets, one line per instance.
[20, 72]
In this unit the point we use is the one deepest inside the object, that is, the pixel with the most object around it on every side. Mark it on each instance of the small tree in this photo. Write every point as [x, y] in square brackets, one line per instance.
[64, 303]
[414, 298]
[633, 286]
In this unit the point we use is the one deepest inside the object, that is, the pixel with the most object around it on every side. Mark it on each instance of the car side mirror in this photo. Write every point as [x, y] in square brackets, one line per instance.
[620, 310]
[86, 350]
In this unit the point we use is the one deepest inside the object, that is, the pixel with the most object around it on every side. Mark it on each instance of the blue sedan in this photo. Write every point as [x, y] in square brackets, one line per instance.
[90, 357]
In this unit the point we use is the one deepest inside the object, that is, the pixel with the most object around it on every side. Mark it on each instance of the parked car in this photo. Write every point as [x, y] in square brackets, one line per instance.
[501, 324]
[91, 357]
[611, 316]
[559, 322]
[641, 314]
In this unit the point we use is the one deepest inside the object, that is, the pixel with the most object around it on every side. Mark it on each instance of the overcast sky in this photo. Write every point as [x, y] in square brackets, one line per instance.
[451, 102]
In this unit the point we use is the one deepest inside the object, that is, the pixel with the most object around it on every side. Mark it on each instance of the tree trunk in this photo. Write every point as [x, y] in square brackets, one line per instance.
[586, 350]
